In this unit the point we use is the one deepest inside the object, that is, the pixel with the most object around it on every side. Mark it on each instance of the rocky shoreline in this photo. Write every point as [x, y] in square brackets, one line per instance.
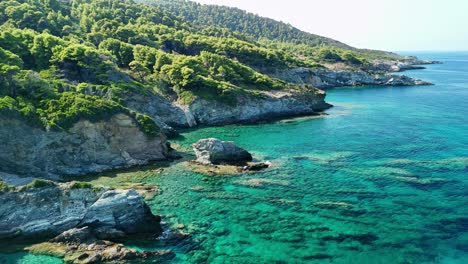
[250, 108]
[77, 221]
[325, 79]
[412, 63]
[118, 142]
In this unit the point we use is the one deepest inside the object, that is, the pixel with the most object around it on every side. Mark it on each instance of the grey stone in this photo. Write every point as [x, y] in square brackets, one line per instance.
[86, 148]
[325, 78]
[215, 151]
[48, 211]
[74, 235]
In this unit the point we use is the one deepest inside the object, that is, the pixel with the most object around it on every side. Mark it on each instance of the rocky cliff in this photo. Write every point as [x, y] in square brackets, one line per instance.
[263, 106]
[412, 63]
[86, 148]
[118, 142]
[325, 78]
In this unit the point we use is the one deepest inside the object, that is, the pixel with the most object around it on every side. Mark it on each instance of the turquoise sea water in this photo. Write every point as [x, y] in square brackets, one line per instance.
[382, 179]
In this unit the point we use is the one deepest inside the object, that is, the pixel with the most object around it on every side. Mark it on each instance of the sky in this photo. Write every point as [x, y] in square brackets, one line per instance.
[393, 25]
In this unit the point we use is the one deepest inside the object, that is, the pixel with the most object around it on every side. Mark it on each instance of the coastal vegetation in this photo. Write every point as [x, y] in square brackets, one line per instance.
[140, 69]
[65, 61]
[5, 187]
[269, 33]
[40, 183]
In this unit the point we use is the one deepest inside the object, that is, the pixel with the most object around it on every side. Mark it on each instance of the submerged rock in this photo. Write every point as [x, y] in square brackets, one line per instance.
[333, 205]
[214, 170]
[214, 151]
[99, 251]
[363, 239]
[262, 182]
[422, 182]
[257, 166]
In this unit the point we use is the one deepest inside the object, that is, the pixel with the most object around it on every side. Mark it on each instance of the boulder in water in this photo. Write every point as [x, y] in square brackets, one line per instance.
[214, 151]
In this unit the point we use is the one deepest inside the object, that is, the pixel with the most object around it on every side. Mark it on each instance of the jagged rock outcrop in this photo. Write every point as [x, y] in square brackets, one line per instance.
[264, 106]
[44, 210]
[86, 148]
[324, 78]
[161, 109]
[78, 222]
[412, 63]
[214, 151]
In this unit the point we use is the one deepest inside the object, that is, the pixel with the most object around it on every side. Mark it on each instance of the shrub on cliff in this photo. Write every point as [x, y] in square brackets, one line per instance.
[68, 108]
[5, 187]
[84, 185]
[40, 183]
[352, 58]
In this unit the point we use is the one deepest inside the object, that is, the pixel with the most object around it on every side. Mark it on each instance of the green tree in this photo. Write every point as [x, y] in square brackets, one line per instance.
[162, 59]
[7, 81]
[146, 56]
[122, 51]
[43, 49]
[140, 70]
[82, 63]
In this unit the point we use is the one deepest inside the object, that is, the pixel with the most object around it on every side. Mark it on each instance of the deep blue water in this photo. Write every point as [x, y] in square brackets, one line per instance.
[381, 179]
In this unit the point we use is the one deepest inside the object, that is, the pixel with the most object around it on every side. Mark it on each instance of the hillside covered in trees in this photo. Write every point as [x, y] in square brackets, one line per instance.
[61, 61]
[269, 32]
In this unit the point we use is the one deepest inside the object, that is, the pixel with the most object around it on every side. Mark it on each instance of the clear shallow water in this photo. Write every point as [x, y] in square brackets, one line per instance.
[382, 179]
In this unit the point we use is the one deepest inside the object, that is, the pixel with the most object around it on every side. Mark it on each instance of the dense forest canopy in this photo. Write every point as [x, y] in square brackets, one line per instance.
[65, 60]
[269, 32]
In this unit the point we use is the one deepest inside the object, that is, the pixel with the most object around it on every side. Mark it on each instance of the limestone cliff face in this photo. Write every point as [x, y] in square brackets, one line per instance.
[86, 148]
[250, 109]
[265, 106]
[44, 212]
[161, 109]
[324, 78]
[118, 142]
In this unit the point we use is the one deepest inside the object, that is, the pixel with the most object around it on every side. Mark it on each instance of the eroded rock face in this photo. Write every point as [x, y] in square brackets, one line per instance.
[123, 210]
[86, 148]
[31, 213]
[324, 78]
[267, 105]
[214, 151]
[411, 63]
